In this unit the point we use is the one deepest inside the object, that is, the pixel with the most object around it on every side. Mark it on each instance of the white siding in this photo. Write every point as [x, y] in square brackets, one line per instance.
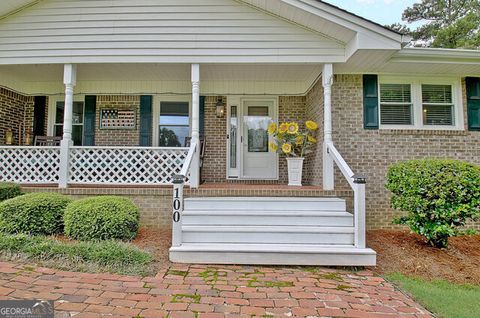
[158, 31]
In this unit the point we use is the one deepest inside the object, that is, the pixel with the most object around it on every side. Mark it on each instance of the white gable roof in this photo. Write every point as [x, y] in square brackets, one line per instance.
[185, 31]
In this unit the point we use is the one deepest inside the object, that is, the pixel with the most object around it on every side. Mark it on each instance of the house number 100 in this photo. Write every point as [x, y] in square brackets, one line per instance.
[176, 207]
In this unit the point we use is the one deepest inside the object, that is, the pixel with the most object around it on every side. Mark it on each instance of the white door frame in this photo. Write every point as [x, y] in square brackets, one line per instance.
[238, 101]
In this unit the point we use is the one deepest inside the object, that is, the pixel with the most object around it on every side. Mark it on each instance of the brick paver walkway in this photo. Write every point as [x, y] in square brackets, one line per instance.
[211, 291]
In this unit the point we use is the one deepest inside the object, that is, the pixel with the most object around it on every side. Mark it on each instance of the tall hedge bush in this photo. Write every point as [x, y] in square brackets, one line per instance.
[9, 190]
[439, 195]
[34, 213]
[102, 218]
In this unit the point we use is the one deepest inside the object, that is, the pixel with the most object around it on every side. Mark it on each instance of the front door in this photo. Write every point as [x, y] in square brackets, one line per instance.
[257, 162]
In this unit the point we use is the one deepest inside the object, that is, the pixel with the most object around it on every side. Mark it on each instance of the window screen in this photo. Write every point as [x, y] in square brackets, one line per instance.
[437, 103]
[396, 104]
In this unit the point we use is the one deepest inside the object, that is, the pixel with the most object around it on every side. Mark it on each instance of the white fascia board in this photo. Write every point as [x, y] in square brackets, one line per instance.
[364, 42]
[433, 55]
[347, 20]
[108, 59]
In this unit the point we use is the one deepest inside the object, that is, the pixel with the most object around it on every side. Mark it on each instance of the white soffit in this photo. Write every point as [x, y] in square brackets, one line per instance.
[445, 62]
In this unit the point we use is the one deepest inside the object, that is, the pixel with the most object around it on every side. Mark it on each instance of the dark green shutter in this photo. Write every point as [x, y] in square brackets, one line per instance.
[39, 113]
[89, 120]
[146, 121]
[202, 115]
[473, 102]
[370, 101]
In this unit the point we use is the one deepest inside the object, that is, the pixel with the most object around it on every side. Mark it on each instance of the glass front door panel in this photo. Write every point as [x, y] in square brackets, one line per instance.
[233, 137]
[256, 122]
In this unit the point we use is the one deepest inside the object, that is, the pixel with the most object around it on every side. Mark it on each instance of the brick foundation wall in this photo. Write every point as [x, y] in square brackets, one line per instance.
[16, 113]
[117, 137]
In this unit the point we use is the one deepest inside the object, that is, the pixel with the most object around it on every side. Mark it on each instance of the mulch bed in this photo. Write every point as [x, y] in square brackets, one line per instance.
[397, 251]
[157, 242]
[409, 254]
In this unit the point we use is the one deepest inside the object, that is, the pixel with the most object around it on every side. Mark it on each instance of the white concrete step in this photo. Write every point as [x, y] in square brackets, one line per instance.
[264, 203]
[270, 234]
[273, 254]
[265, 217]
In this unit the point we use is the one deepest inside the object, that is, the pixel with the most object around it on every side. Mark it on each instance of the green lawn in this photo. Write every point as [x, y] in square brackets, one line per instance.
[443, 298]
[101, 256]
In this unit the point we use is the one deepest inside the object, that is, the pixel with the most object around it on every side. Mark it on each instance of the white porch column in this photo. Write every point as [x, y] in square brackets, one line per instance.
[327, 81]
[70, 80]
[195, 166]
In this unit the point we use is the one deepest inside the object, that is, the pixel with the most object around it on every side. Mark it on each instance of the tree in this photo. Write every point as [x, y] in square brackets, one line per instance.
[168, 138]
[446, 23]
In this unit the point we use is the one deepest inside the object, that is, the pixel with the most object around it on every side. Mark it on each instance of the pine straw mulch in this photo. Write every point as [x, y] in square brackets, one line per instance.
[410, 255]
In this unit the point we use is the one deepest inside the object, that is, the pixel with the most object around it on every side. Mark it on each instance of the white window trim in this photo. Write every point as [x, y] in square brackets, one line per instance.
[52, 107]
[416, 90]
[157, 99]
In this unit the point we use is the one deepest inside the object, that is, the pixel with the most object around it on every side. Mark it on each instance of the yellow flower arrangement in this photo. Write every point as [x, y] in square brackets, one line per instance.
[292, 128]
[299, 140]
[273, 146]
[290, 140]
[311, 125]
[272, 128]
[283, 128]
[286, 148]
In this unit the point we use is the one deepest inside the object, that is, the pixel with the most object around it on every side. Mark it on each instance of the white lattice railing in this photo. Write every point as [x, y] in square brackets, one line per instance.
[29, 164]
[125, 165]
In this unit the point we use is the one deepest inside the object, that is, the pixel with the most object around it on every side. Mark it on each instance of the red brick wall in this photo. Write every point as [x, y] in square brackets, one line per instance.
[117, 137]
[373, 151]
[16, 113]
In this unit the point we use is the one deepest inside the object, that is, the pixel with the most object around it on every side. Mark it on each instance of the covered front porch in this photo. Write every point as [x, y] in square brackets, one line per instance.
[209, 142]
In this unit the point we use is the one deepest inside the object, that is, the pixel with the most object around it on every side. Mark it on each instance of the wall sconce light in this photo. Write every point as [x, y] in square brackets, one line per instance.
[220, 108]
[9, 137]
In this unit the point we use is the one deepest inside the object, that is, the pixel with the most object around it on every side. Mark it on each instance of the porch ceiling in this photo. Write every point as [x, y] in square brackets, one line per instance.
[163, 78]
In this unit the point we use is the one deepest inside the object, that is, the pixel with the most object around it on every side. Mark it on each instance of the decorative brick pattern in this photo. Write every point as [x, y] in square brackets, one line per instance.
[211, 291]
[117, 137]
[16, 113]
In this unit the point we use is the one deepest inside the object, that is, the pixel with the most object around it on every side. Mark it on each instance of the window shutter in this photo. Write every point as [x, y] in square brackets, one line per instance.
[370, 101]
[202, 115]
[473, 103]
[146, 121]
[89, 120]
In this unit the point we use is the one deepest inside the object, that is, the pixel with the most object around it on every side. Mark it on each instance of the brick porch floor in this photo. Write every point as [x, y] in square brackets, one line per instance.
[210, 291]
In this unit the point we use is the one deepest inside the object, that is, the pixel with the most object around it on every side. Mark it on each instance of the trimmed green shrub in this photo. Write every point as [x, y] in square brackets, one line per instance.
[34, 213]
[439, 195]
[102, 218]
[9, 190]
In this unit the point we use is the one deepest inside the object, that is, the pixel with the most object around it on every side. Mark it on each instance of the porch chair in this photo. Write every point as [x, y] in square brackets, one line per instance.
[47, 141]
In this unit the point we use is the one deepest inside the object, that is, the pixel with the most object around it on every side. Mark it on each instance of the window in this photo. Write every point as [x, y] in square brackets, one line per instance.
[437, 105]
[77, 121]
[173, 124]
[396, 104]
[420, 103]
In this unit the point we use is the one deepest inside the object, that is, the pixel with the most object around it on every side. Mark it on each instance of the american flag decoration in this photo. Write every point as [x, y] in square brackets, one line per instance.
[117, 119]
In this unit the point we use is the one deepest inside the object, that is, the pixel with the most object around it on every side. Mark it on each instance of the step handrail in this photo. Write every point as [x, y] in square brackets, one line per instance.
[357, 183]
[177, 203]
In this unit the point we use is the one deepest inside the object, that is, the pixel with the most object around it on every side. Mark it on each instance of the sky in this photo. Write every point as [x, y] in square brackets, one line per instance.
[380, 11]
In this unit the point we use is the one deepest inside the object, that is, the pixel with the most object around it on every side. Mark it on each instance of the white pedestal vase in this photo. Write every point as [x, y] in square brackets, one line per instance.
[295, 169]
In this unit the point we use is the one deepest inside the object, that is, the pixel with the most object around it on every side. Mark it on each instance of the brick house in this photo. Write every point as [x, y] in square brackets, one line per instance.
[132, 87]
